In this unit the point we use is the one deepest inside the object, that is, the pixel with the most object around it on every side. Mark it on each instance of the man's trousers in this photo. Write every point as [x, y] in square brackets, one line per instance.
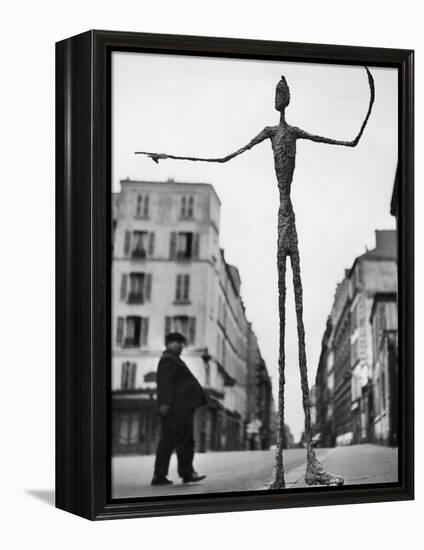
[176, 434]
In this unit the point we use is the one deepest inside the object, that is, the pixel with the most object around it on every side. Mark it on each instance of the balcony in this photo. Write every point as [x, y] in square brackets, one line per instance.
[131, 343]
[139, 254]
[135, 298]
[184, 255]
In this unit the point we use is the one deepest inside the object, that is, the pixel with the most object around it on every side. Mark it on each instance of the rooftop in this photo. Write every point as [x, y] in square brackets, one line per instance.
[385, 247]
[169, 183]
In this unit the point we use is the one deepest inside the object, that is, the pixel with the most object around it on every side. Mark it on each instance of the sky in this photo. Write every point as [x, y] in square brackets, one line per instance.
[210, 107]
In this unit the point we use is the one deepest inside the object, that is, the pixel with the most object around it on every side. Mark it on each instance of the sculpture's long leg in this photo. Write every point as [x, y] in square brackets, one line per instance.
[298, 300]
[315, 474]
[278, 475]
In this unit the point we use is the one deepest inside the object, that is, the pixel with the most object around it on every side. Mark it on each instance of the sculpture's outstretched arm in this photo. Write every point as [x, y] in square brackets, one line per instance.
[320, 139]
[156, 157]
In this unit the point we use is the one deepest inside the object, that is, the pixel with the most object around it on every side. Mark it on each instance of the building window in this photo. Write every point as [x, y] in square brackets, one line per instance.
[182, 288]
[184, 245]
[140, 288]
[132, 331]
[129, 428]
[140, 244]
[128, 375]
[184, 324]
[142, 206]
[187, 207]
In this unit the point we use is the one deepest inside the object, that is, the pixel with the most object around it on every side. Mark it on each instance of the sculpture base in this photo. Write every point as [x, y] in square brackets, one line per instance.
[277, 486]
[316, 475]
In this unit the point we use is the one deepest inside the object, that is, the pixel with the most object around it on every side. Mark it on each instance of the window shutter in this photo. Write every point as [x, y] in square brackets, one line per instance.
[120, 330]
[190, 207]
[191, 330]
[124, 286]
[183, 207]
[138, 331]
[178, 289]
[144, 330]
[196, 245]
[151, 248]
[139, 201]
[133, 373]
[146, 206]
[130, 332]
[167, 325]
[173, 245]
[127, 243]
[123, 375]
[186, 292]
[148, 285]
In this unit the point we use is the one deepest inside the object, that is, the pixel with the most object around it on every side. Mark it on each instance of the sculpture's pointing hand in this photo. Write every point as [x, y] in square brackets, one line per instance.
[156, 157]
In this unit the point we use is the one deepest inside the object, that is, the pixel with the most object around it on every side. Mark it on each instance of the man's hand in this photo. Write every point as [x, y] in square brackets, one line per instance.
[164, 410]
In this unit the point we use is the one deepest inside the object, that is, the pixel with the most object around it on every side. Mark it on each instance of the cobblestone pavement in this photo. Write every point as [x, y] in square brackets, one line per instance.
[252, 470]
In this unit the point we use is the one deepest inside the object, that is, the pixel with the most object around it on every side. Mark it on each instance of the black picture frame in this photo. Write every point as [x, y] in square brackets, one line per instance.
[83, 260]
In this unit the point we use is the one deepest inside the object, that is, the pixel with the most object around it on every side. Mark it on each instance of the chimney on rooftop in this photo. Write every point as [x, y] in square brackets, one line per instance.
[385, 240]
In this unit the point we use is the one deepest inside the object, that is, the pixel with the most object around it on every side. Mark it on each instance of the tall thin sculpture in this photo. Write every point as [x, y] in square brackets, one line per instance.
[283, 139]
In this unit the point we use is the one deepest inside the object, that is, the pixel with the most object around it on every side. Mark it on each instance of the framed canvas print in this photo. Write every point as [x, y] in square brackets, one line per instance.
[234, 274]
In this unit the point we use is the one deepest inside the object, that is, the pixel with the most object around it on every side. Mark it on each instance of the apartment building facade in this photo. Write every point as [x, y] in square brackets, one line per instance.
[362, 350]
[170, 274]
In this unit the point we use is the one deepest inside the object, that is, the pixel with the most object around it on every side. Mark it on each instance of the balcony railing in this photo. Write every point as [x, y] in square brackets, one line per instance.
[138, 253]
[135, 298]
[184, 255]
[131, 343]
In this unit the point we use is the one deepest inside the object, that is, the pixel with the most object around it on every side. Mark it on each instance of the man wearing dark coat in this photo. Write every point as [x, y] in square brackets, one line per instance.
[179, 395]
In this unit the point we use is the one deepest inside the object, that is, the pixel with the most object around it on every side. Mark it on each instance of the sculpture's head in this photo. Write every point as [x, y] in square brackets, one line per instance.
[282, 95]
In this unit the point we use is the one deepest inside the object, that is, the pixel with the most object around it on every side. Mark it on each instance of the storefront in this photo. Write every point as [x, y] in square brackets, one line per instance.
[135, 423]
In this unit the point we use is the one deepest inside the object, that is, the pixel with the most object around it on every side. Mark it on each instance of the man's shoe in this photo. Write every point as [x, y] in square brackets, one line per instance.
[192, 478]
[161, 481]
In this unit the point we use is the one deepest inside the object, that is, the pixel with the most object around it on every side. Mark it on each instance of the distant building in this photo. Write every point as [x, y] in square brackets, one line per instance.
[288, 438]
[372, 272]
[169, 274]
[340, 346]
[384, 323]
[323, 409]
[260, 403]
[355, 387]
[313, 401]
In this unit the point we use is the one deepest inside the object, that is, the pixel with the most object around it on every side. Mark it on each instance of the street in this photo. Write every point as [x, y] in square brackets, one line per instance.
[252, 470]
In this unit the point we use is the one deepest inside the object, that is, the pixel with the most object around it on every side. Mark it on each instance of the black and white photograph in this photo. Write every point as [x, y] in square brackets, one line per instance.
[211, 236]
[254, 275]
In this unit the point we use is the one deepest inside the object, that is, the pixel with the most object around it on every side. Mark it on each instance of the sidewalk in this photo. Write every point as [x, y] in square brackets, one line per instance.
[225, 470]
[357, 464]
[252, 470]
